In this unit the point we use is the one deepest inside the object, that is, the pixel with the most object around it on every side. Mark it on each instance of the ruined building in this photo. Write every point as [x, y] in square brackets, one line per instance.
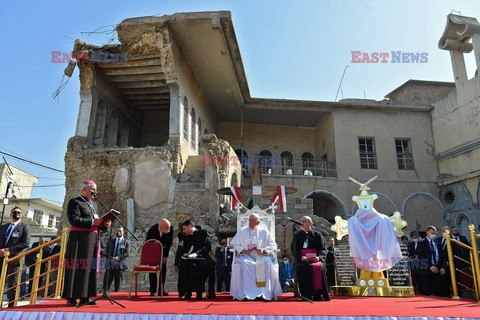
[156, 108]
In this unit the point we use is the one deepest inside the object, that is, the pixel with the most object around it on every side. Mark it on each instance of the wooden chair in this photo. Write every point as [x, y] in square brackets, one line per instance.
[150, 262]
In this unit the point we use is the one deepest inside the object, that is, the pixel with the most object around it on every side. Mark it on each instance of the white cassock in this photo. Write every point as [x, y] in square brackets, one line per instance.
[373, 242]
[251, 278]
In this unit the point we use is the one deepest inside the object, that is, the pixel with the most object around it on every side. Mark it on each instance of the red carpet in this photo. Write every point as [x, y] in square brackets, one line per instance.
[420, 306]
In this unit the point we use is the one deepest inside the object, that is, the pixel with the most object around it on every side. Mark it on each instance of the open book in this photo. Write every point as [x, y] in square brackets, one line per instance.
[109, 215]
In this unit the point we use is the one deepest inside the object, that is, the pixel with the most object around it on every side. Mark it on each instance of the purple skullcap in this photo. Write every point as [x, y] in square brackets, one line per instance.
[89, 182]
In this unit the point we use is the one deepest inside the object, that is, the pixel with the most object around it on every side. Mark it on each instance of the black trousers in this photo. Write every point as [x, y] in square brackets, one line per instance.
[117, 275]
[192, 275]
[11, 282]
[224, 275]
[153, 279]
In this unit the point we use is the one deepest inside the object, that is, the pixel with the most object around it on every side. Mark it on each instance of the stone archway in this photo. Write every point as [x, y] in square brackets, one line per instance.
[327, 205]
[423, 213]
[462, 222]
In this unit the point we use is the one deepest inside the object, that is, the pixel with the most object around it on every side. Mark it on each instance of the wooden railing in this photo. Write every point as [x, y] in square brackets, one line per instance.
[56, 266]
[474, 263]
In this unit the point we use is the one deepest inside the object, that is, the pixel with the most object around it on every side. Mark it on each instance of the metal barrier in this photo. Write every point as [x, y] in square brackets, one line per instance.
[56, 266]
[474, 263]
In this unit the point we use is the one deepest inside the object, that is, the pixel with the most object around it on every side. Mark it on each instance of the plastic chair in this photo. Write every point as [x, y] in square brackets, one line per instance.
[150, 262]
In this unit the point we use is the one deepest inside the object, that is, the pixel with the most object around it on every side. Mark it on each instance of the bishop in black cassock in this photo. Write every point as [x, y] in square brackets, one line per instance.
[307, 238]
[82, 252]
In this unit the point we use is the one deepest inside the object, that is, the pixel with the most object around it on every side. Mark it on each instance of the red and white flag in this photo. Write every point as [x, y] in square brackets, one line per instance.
[282, 198]
[236, 197]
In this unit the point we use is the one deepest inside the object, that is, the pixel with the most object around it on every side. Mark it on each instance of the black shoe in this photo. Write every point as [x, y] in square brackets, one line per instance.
[152, 294]
[188, 296]
[116, 290]
[87, 301]
[199, 297]
[72, 302]
[211, 296]
[165, 294]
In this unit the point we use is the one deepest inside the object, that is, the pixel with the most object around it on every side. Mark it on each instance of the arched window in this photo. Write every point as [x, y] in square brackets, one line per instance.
[124, 134]
[186, 116]
[193, 131]
[286, 159]
[308, 164]
[113, 129]
[99, 128]
[265, 161]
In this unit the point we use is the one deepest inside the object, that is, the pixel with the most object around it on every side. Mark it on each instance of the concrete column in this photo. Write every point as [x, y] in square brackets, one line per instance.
[459, 70]
[84, 113]
[175, 110]
[476, 49]
[131, 214]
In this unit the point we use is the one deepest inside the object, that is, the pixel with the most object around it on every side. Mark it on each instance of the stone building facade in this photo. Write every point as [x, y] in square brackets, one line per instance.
[149, 125]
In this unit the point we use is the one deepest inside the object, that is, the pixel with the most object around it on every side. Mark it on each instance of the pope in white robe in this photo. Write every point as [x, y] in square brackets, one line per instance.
[255, 269]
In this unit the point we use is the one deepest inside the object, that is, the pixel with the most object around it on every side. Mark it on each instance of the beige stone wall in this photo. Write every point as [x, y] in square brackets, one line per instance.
[190, 88]
[455, 118]
[325, 138]
[384, 127]
[276, 139]
[397, 191]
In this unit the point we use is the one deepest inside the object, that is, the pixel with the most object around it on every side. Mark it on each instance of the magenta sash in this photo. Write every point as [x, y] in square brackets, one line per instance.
[316, 269]
[91, 229]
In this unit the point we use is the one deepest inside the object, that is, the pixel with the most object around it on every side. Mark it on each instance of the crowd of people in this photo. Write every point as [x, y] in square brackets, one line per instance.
[256, 274]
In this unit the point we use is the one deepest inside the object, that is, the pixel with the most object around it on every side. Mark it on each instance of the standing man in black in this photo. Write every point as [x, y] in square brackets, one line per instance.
[432, 266]
[15, 237]
[194, 261]
[163, 232]
[118, 248]
[224, 265]
[30, 261]
[82, 258]
[330, 261]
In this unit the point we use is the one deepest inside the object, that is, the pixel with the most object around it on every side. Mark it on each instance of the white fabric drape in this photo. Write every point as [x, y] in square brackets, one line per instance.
[373, 243]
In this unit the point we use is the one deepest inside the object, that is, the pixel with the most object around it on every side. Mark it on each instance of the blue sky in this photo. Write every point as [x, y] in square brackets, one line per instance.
[293, 49]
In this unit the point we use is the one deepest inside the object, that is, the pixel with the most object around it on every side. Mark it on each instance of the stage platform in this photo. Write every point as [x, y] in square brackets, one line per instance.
[225, 308]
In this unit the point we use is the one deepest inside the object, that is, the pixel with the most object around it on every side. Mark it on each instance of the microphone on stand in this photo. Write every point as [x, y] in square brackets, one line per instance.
[93, 194]
[294, 221]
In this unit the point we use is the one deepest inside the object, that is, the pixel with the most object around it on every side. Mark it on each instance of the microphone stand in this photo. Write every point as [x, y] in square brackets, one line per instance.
[297, 293]
[106, 293]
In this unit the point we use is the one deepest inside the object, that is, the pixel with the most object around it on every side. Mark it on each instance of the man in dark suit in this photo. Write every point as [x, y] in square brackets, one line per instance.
[195, 261]
[15, 237]
[224, 265]
[330, 261]
[53, 249]
[30, 261]
[163, 232]
[117, 254]
[432, 266]
[413, 253]
[458, 250]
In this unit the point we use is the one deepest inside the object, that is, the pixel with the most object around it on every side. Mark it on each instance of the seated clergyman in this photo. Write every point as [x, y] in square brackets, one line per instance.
[310, 253]
[255, 269]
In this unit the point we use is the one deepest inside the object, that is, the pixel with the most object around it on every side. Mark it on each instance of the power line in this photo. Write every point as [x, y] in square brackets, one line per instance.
[35, 163]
